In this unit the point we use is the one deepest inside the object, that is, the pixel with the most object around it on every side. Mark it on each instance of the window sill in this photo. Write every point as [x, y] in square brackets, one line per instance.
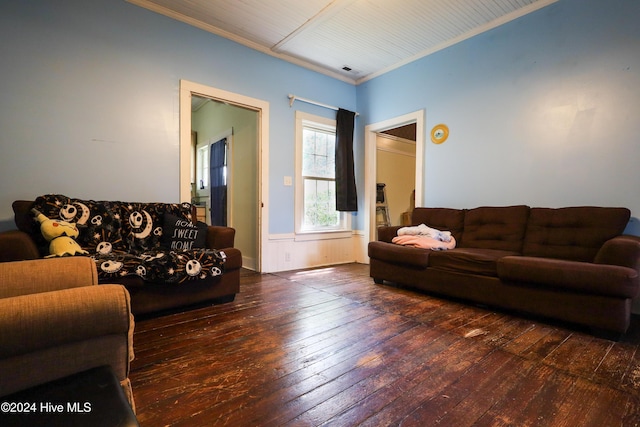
[303, 236]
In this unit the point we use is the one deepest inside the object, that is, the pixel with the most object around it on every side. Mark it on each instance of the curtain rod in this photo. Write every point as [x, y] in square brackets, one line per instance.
[293, 98]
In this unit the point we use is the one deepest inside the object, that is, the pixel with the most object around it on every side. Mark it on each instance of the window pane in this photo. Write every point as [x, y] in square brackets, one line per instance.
[318, 153]
[320, 204]
[202, 167]
[308, 152]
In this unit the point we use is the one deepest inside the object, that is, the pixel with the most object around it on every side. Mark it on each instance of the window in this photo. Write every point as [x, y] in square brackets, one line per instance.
[202, 167]
[315, 173]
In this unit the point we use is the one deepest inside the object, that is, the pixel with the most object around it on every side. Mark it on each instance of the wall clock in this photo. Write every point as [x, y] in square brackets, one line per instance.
[439, 133]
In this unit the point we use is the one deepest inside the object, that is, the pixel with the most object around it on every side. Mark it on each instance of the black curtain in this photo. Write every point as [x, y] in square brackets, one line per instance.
[218, 187]
[346, 197]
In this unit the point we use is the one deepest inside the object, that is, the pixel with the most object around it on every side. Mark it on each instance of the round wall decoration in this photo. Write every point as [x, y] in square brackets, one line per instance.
[439, 133]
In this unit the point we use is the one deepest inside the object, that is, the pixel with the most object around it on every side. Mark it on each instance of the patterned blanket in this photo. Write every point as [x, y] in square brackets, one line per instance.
[127, 239]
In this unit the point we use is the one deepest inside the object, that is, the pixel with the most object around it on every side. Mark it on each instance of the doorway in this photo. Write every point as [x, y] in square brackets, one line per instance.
[395, 175]
[370, 175]
[241, 120]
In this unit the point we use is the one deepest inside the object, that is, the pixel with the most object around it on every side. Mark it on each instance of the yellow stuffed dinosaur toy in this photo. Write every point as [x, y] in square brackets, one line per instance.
[60, 235]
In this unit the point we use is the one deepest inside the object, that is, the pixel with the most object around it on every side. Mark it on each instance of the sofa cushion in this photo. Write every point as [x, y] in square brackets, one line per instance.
[162, 266]
[583, 277]
[443, 219]
[573, 233]
[500, 228]
[399, 254]
[469, 260]
[24, 217]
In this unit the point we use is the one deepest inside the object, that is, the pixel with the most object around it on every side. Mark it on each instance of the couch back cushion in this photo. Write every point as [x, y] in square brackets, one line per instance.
[24, 218]
[443, 219]
[573, 233]
[500, 227]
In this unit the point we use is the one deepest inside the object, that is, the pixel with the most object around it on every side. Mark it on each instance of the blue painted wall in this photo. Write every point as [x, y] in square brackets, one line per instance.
[542, 111]
[89, 103]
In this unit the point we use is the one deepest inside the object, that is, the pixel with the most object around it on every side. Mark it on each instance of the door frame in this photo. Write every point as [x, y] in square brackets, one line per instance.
[370, 158]
[187, 89]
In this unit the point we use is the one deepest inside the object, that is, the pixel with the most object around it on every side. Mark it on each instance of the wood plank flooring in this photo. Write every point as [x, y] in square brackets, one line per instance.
[328, 347]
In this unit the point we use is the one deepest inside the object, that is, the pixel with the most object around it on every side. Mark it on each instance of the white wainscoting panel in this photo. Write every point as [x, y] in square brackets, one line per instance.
[285, 253]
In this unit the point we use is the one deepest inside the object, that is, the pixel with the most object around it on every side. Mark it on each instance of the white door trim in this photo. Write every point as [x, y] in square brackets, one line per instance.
[188, 88]
[370, 132]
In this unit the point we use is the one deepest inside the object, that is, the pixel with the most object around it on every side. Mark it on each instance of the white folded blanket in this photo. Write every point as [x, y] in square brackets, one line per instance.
[423, 230]
[425, 242]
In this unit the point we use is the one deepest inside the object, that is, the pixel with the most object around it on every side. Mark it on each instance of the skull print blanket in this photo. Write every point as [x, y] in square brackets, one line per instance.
[137, 239]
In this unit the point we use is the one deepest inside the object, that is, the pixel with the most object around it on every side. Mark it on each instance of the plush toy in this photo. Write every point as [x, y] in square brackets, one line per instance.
[60, 235]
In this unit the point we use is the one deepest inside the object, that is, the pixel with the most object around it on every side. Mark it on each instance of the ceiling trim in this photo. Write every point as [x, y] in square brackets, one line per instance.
[235, 38]
[326, 13]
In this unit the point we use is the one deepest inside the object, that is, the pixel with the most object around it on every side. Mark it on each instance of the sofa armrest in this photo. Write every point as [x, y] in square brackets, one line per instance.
[45, 275]
[387, 233]
[54, 318]
[16, 245]
[53, 334]
[622, 250]
[219, 237]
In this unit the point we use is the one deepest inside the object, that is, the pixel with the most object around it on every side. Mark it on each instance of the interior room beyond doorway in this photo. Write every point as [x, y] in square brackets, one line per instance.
[211, 122]
[396, 174]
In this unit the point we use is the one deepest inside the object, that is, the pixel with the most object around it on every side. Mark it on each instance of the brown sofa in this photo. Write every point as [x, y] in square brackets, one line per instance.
[148, 294]
[570, 264]
[57, 322]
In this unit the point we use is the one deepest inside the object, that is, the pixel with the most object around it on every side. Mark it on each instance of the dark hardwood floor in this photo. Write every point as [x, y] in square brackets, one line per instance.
[328, 347]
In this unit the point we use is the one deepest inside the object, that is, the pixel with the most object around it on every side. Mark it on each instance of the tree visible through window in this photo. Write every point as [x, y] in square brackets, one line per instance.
[318, 174]
[316, 216]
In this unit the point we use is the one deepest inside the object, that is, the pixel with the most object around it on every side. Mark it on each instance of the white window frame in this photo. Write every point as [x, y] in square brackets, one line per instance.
[202, 169]
[343, 230]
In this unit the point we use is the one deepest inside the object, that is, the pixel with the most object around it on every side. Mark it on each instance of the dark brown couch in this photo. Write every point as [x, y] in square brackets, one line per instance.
[571, 264]
[21, 244]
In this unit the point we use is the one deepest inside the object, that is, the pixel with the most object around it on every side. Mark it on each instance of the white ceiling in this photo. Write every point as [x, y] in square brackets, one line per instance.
[370, 37]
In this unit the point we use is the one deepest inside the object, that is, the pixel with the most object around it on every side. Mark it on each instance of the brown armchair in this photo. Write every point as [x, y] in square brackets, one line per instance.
[55, 321]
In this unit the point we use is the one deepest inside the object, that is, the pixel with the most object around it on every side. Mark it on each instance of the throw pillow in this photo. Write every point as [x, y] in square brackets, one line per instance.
[179, 234]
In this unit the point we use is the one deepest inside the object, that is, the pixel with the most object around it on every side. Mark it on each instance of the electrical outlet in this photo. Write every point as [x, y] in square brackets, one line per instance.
[287, 257]
[288, 181]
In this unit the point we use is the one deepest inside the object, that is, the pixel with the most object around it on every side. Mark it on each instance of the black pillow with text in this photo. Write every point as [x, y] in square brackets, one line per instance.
[179, 234]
